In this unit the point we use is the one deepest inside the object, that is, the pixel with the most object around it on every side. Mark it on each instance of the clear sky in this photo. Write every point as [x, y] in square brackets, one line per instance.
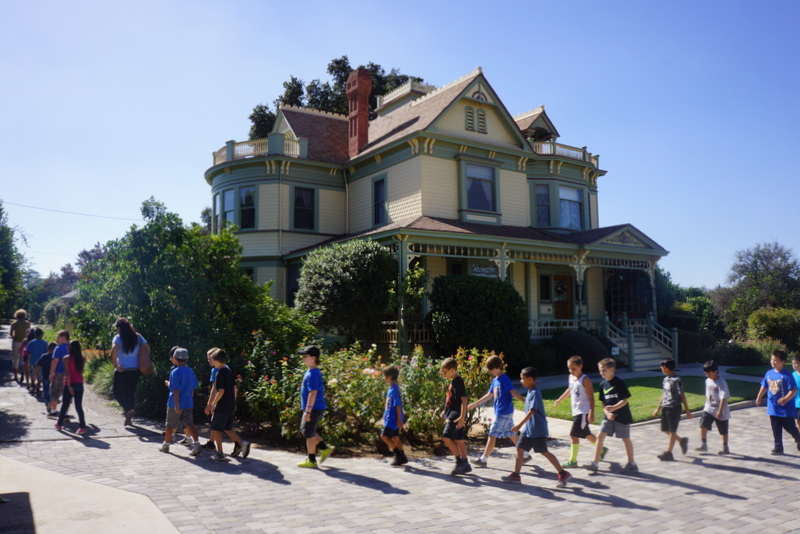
[692, 106]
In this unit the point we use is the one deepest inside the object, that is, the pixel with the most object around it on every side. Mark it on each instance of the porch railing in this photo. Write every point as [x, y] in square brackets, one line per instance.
[416, 333]
[277, 144]
[541, 328]
[557, 149]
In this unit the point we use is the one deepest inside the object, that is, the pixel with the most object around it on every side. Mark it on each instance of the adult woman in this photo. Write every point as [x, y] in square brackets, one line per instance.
[128, 346]
[19, 329]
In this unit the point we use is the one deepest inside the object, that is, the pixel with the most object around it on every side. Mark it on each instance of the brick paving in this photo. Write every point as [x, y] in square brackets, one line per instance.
[748, 491]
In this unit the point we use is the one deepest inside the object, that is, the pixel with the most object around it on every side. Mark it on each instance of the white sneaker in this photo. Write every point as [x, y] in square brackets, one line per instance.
[164, 447]
[196, 449]
[219, 457]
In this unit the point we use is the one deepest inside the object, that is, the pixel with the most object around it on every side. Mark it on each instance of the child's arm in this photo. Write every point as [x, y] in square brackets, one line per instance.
[761, 392]
[400, 421]
[176, 395]
[489, 395]
[209, 407]
[587, 385]
[720, 410]
[686, 406]
[609, 410]
[312, 397]
[463, 417]
[658, 408]
[519, 425]
[789, 396]
[517, 395]
[563, 396]
[214, 400]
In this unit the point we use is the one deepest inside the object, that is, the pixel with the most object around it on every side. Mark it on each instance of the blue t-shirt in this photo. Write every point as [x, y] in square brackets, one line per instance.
[312, 380]
[128, 360]
[61, 351]
[501, 387]
[36, 348]
[778, 385]
[392, 402]
[184, 380]
[795, 375]
[535, 426]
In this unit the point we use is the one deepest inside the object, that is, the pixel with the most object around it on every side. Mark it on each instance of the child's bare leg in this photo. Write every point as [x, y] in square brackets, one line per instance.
[598, 446]
[451, 446]
[628, 449]
[192, 433]
[311, 444]
[703, 433]
[234, 436]
[462, 448]
[168, 435]
[216, 437]
[553, 460]
[519, 459]
[673, 438]
[489, 446]
[398, 445]
[388, 441]
[591, 438]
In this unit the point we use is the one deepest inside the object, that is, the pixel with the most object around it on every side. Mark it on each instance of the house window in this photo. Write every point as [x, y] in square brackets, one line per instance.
[228, 207]
[571, 206]
[217, 217]
[481, 121]
[379, 202]
[542, 194]
[304, 213]
[469, 118]
[292, 282]
[544, 288]
[247, 208]
[480, 188]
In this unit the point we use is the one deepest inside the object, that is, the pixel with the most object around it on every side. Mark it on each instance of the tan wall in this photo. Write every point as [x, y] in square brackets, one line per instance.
[403, 200]
[593, 280]
[515, 201]
[267, 206]
[595, 215]
[331, 211]
[360, 205]
[278, 274]
[435, 267]
[440, 184]
[453, 123]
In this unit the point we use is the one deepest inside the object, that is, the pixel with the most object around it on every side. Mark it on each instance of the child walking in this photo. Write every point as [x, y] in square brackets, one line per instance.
[716, 408]
[796, 376]
[180, 405]
[581, 394]
[393, 416]
[36, 348]
[781, 390]
[501, 390]
[534, 431]
[672, 396]
[617, 418]
[223, 407]
[313, 405]
[455, 416]
[73, 386]
[44, 364]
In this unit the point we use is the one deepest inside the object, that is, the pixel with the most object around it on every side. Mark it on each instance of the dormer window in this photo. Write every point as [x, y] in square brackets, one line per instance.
[475, 120]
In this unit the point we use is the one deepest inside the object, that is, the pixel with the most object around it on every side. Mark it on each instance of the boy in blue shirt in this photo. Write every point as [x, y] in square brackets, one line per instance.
[796, 376]
[393, 416]
[501, 390]
[534, 431]
[781, 390]
[180, 405]
[313, 405]
[36, 347]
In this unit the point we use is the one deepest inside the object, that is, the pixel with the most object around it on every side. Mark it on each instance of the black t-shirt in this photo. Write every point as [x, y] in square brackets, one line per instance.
[225, 382]
[455, 391]
[613, 391]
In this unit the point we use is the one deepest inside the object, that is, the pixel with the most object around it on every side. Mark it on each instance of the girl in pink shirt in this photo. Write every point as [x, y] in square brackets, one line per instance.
[73, 385]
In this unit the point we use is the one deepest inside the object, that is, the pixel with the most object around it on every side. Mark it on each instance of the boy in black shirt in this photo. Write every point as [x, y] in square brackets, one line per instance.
[455, 416]
[223, 405]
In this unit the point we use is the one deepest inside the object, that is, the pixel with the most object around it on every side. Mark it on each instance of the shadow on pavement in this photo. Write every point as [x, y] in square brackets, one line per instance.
[17, 514]
[363, 481]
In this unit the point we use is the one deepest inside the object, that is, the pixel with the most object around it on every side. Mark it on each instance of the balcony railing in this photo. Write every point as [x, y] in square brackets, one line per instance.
[557, 149]
[276, 144]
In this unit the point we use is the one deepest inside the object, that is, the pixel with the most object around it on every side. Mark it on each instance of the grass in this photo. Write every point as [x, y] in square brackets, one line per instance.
[645, 394]
[752, 370]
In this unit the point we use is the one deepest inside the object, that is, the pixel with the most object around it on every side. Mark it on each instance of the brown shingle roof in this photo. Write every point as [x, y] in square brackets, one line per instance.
[326, 133]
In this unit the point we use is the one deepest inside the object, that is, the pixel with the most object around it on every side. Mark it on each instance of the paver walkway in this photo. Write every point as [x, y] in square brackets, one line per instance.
[748, 491]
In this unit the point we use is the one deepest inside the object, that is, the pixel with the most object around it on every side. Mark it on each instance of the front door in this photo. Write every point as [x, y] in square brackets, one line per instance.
[562, 299]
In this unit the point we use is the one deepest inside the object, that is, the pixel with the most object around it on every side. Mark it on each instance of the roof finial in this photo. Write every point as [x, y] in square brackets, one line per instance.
[479, 68]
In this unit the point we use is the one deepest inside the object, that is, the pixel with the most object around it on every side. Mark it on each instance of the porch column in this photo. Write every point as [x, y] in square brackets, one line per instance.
[402, 263]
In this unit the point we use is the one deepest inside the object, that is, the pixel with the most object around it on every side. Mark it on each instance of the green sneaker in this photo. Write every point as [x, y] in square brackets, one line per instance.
[324, 453]
[603, 453]
[307, 463]
[569, 464]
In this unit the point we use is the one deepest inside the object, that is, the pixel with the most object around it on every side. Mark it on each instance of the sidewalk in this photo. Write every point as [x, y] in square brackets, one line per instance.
[116, 480]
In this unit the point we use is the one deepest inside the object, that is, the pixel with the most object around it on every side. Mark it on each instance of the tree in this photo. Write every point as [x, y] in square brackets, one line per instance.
[12, 264]
[346, 286]
[262, 119]
[766, 276]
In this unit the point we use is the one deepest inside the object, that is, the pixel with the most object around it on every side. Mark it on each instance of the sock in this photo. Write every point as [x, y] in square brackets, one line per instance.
[312, 457]
[484, 459]
[573, 452]
[526, 454]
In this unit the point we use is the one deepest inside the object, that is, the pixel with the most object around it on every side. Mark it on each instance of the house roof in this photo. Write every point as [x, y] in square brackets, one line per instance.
[538, 123]
[326, 133]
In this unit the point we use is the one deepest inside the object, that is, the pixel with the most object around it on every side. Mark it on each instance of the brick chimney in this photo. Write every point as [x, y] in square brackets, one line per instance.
[359, 87]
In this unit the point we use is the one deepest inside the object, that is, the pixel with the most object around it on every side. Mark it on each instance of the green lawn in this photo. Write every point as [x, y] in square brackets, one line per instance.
[645, 394]
[752, 370]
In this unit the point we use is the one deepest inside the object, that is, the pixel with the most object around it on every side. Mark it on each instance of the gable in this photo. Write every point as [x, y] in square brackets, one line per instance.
[625, 238]
[453, 123]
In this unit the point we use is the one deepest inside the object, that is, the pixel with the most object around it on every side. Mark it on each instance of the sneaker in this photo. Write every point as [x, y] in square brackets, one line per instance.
[563, 477]
[324, 453]
[477, 462]
[569, 464]
[630, 468]
[776, 452]
[245, 449]
[196, 449]
[666, 456]
[591, 466]
[81, 431]
[702, 448]
[58, 427]
[685, 445]
[164, 447]
[399, 459]
[219, 457]
[513, 478]
[603, 453]
[184, 441]
[209, 446]
[128, 418]
[527, 459]
[461, 468]
[307, 463]
[237, 448]
[725, 450]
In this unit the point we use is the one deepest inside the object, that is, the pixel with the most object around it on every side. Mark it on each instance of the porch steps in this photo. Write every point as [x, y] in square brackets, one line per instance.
[648, 358]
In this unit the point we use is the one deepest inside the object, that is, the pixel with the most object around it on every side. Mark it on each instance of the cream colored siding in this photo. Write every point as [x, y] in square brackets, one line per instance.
[435, 266]
[278, 274]
[593, 282]
[267, 206]
[440, 186]
[404, 190]
[518, 278]
[259, 244]
[515, 201]
[360, 205]
[454, 123]
[594, 215]
[331, 218]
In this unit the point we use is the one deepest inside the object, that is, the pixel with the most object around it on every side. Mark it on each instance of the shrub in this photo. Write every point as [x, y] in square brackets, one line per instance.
[779, 323]
[581, 344]
[735, 353]
[695, 346]
[99, 372]
[480, 312]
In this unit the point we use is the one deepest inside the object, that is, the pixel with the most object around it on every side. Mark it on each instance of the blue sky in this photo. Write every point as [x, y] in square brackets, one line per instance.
[692, 106]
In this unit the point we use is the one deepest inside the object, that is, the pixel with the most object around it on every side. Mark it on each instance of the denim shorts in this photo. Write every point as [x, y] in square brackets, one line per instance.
[501, 426]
